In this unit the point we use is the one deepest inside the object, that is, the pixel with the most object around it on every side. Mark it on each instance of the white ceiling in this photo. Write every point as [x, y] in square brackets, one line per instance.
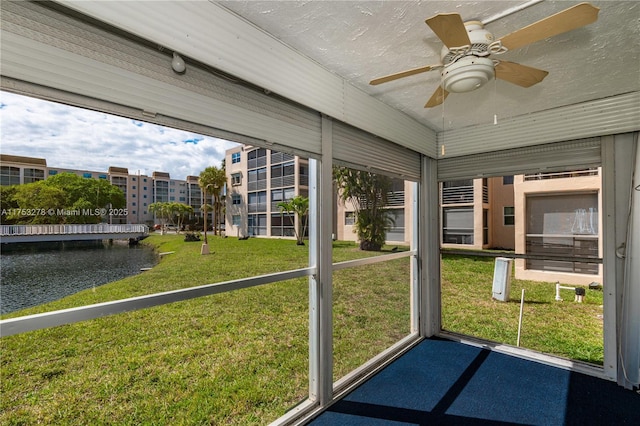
[361, 40]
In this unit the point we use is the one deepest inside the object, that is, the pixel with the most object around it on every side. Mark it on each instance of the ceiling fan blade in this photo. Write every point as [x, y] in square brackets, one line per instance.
[437, 98]
[569, 19]
[450, 29]
[521, 75]
[402, 74]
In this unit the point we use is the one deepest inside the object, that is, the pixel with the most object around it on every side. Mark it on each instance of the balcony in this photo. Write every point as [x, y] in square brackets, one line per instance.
[457, 195]
[562, 175]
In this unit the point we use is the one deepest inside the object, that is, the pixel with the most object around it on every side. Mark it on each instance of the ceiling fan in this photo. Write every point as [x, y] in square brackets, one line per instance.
[466, 65]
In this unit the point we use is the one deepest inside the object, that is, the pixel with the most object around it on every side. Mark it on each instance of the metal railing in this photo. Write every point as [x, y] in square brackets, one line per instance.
[457, 195]
[73, 229]
[561, 175]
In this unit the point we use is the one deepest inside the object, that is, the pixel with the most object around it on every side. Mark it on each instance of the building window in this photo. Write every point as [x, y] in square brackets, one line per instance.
[485, 226]
[236, 220]
[509, 216]
[53, 172]
[236, 179]
[33, 175]
[133, 187]
[457, 225]
[9, 175]
[507, 180]
[283, 175]
[161, 191]
[349, 218]
[87, 175]
[257, 224]
[257, 158]
[257, 179]
[235, 158]
[257, 202]
[282, 225]
[236, 199]
[564, 225]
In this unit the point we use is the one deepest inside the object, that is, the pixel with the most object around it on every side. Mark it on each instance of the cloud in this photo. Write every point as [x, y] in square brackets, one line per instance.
[76, 138]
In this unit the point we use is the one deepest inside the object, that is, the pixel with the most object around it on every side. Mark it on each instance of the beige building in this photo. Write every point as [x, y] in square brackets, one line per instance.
[554, 216]
[399, 203]
[257, 180]
[139, 190]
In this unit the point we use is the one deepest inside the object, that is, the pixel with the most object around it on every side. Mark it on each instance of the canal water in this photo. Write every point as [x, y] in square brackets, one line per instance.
[34, 276]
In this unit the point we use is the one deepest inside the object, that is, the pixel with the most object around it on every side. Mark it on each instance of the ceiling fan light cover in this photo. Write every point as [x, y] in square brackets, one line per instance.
[467, 74]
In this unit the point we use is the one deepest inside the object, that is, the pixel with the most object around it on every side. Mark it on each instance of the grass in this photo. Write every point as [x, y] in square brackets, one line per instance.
[568, 329]
[241, 358]
[236, 358]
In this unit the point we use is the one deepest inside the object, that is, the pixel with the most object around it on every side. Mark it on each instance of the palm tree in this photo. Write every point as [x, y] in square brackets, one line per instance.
[368, 192]
[162, 210]
[180, 211]
[299, 206]
[213, 179]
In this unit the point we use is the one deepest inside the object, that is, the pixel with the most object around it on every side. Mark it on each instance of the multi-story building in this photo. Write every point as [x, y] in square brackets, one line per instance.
[540, 215]
[258, 179]
[139, 190]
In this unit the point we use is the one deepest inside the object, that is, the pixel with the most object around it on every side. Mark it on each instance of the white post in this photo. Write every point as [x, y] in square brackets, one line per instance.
[520, 320]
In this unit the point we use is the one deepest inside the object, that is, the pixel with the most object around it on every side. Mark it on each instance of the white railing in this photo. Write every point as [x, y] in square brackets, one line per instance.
[74, 229]
[562, 175]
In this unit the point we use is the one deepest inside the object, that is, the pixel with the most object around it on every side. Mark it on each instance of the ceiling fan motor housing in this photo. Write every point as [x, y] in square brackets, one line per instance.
[468, 68]
[467, 73]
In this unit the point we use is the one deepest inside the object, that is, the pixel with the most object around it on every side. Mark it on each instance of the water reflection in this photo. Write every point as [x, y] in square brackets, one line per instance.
[36, 276]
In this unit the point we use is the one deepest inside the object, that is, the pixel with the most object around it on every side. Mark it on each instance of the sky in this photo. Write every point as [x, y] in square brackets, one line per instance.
[76, 138]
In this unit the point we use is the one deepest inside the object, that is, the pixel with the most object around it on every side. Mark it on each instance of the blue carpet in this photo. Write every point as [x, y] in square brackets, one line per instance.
[444, 382]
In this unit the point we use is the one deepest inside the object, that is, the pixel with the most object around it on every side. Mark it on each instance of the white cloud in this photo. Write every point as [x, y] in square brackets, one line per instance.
[75, 138]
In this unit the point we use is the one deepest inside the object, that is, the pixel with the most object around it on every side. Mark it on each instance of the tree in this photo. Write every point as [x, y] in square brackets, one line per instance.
[65, 198]
[212, 179]
[160, 209]
[179, 211]
[368, 193]
[299, 206]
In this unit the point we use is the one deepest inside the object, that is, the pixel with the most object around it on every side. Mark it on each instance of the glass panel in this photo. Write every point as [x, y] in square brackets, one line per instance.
[164, 163]
[235, 358]
[371, 210]
[546, 230]
[371, 311]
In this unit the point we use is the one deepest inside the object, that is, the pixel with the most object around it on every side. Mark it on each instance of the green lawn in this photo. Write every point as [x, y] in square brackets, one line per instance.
[241, 357]
[234, 358]
[567, 329]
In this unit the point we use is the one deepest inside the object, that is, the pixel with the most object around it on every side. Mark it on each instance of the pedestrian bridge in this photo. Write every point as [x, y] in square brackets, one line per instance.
[72, 232]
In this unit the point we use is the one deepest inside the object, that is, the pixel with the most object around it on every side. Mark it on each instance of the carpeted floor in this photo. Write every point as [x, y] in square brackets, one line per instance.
[445, 382]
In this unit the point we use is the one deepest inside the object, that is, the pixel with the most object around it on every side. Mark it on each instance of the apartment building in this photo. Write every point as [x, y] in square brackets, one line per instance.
[555, 214]
[140, 190]
[258, 179]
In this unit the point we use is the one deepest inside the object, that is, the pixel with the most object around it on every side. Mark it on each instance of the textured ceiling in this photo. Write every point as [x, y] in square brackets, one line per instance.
[361, 40]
